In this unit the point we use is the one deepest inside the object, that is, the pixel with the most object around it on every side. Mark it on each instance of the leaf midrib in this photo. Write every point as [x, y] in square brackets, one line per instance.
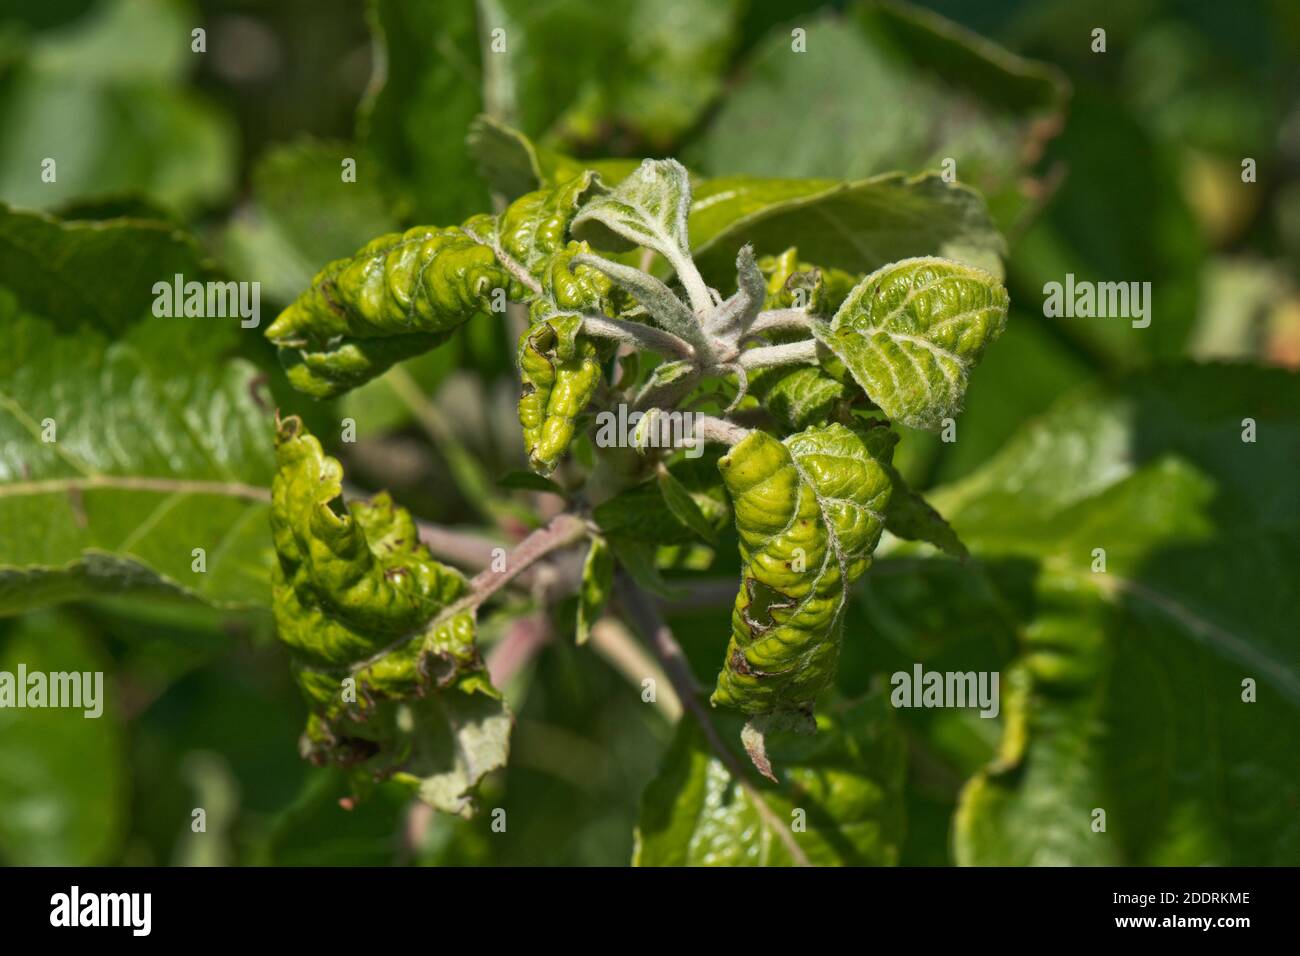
[170, 486]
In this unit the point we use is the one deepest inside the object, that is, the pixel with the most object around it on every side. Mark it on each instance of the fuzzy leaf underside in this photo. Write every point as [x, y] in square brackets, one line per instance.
[910, 333]
[809, 511]
[648, 208]
[356, 596]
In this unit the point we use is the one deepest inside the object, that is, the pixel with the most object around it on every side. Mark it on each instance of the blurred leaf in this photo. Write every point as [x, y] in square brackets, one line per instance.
[887, 86]
[1124, 674]
[857, 226]
[100, 273]
[304, 215]
[102, 97]
[424, 93]
[847, 780]
[63, 790]
[114, 468]
[644, 71]
[512, 164]
[597, 584]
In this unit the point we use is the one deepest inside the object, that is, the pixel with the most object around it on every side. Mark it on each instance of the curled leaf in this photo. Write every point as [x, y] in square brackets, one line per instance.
[560, 372]
[398, 296]
[809, 512]
[536, 225]
[910, 333]
[388, 665]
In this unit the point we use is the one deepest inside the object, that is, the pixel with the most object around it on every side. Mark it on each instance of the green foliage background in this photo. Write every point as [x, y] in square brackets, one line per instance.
[1120, 691]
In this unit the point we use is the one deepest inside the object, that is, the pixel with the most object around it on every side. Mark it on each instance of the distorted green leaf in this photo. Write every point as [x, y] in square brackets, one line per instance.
[400, 295]
[382, 651]
[842, 797]
[810, 511]
[910, 333]
[560, 372]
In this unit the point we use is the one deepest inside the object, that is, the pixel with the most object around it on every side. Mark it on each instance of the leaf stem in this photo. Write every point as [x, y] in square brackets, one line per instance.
[775, 320]
[790, 353]
[644, 616]
[636, 334]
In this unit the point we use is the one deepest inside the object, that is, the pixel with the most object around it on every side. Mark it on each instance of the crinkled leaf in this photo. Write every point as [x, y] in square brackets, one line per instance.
[597, 584]
[809, 511]
[847, 780]
[910, 333]
[560, 372]
[385, 658]
[400, 295]
[855, 226]
[910, 517]
[536, 225]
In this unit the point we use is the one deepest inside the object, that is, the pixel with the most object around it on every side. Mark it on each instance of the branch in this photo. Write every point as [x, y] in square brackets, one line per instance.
[775, 320]
[636, 334]
[563, 531]
[645, 617]
[719, 430]
[791, 353]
